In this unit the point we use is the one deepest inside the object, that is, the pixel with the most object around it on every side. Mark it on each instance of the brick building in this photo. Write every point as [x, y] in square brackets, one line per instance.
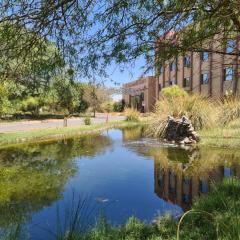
[210, 74]
[141, 94]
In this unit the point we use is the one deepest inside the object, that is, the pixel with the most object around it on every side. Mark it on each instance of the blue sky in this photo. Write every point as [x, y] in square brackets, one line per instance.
[118, 76]
[128, 74]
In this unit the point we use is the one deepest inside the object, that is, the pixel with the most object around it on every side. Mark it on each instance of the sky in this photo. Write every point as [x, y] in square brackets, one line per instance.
[130, 73]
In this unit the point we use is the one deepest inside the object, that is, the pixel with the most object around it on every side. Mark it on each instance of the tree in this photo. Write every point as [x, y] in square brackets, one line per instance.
[27, 58]
[98, 33]
[95, 95]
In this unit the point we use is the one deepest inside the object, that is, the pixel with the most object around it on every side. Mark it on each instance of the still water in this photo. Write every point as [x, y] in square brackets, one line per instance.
[118, 174]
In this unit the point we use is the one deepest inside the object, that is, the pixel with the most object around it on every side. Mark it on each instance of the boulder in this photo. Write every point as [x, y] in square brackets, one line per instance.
[180, 131]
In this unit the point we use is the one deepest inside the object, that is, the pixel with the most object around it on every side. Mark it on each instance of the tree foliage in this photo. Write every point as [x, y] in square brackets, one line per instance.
[96, 33]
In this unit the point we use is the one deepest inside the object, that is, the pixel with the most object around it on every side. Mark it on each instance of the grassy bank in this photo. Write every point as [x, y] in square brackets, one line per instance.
[216, 216]
[225, 137]
[217, 121]
[59, 133]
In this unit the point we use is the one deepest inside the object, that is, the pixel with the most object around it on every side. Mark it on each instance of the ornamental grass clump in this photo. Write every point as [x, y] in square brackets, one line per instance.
[230, 109]
[177, 103]
[131, 114]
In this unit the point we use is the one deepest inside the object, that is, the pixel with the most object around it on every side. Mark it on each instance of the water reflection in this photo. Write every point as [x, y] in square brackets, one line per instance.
[122, 172]
[33, 176]
[183, 174]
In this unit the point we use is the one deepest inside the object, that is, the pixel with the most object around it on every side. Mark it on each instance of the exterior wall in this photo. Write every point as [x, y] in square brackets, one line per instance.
[214, 66]
[148, 86]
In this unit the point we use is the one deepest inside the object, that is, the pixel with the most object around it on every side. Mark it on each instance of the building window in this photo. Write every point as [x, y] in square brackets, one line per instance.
[173, 66]
[204, 78]
[160, 87]
[203, 187]
[228, 74]
[227, 172]
[186, 82]
[230, 46]
[204, 56]
[172, 82]
[187, 61]
[161, 69]
[186, 198]
[186, 180]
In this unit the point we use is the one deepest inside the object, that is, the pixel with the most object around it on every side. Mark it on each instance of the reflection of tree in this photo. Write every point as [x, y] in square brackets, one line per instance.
[33, 176]
[132, 133]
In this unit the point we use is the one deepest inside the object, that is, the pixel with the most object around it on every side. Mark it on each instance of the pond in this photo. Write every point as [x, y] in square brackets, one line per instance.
[117, 174]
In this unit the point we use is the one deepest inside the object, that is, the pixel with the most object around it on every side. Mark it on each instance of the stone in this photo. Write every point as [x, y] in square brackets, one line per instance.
[180, 131]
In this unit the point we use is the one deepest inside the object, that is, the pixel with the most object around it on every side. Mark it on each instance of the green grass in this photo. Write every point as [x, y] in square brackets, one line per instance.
[227, 136]
[59, 133]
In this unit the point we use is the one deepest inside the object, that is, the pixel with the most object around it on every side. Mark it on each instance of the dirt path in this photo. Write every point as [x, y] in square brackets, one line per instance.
[53, 123]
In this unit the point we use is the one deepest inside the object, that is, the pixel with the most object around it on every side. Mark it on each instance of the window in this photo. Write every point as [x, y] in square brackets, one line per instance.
[173, 66]
[204, 78]
[228, 74]
[160, 87]
[187, 61]
[186, 180]
[172, 82]
[204, 56]
[186, 198]
[227, 172]
[161, 69]
[203, 187]
[230, 46]
[186, 82]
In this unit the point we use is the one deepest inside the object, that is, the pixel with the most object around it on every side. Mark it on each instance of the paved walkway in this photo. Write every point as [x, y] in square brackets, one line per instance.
[53, 123]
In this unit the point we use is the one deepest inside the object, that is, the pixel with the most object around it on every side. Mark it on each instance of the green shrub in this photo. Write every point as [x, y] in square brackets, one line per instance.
[106, 107]
[87, 120]
[118, 106]
[31, 104]
[132, 114]
[171, 93]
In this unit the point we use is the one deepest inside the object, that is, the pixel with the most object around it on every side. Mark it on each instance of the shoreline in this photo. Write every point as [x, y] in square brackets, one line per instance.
[52, 134]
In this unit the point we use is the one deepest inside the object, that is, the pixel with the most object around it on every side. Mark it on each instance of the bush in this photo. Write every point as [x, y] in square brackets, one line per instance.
[177, 103]
[87, 120]
[132, 114]
[31, 104]
[106, 107]
[118, 106]
[230, 110]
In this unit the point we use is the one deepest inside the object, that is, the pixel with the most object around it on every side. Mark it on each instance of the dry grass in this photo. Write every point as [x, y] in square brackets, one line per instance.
[203, 113]
[212, 117]
[131, 114]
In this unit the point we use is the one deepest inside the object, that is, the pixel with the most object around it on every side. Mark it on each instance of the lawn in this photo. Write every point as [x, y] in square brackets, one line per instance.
[59, 133]
[227, 136]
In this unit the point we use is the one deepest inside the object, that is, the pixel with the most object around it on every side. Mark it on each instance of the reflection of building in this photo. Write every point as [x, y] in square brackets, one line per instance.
[176, 187]
[141, 94]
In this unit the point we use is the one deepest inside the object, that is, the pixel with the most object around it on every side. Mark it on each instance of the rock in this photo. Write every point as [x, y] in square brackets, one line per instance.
[180, 131]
